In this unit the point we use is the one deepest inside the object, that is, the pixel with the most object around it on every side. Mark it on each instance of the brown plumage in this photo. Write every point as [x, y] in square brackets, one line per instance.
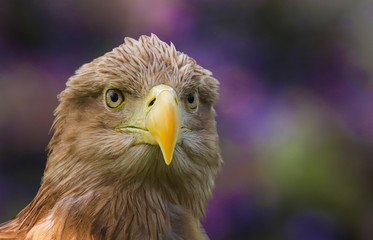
[106, 177]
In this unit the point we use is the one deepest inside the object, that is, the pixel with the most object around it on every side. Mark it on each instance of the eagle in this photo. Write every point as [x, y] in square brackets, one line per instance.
[134, 151]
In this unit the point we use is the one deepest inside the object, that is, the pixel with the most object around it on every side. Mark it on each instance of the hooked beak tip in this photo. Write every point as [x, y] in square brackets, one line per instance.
[163, 121]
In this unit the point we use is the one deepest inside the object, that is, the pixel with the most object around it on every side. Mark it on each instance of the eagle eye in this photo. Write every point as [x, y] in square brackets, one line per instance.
[192, 101]
[114, 99]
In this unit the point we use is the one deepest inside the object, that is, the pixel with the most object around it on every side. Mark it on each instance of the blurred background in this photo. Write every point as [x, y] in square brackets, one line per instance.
[295, 115]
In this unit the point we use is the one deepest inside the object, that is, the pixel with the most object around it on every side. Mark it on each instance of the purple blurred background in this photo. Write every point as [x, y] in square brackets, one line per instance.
[295, 116]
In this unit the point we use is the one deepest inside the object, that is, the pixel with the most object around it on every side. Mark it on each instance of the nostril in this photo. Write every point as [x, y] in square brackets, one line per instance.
[151, 102]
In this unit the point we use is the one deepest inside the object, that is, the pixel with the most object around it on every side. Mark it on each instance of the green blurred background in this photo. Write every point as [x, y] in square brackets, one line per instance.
[295, 115]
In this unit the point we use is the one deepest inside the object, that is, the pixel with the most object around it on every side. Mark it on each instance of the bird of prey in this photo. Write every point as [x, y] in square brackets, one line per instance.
[134, 152]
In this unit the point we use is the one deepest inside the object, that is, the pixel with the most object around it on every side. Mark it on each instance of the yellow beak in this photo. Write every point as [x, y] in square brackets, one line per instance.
[163, 119]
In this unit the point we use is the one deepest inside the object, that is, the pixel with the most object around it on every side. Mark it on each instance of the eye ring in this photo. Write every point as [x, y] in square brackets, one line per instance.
[192, 101]
[114, 98]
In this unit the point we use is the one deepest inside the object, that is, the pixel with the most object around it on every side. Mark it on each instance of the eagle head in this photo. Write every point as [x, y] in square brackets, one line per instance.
[135, 144]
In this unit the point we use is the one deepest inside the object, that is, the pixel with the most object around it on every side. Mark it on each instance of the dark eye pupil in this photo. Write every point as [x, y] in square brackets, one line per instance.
[114, 97]
[190, 98]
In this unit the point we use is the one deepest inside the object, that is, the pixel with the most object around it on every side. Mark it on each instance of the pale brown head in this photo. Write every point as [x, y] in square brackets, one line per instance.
[134, 152]
[125, 116]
